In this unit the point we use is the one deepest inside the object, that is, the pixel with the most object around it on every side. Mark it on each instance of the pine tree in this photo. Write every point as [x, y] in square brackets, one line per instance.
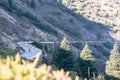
[86, 62]
[113, 64]
[86, 54]
[64, 44]
[63, 58]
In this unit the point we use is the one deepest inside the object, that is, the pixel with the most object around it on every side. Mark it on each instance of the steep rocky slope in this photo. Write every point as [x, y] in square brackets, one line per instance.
[106, 12]
[48, 20]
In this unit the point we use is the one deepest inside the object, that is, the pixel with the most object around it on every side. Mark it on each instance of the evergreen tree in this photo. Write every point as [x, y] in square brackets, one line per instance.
[86, 54]
[63, 58]
[86, 62]
[113, 64]
[64, 44]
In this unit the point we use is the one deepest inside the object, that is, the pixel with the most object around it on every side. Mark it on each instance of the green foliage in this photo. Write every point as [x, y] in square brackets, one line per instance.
[86, 54]
[77, 67]
[113, 64]
[63, 59]
[72, 74]
[6, 52]
[87, 68]
[43, 46]
[86, 62]
[64, 44]
[37, 44]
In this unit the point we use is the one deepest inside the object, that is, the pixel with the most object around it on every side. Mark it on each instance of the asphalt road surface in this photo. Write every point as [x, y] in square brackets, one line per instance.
[30, 52]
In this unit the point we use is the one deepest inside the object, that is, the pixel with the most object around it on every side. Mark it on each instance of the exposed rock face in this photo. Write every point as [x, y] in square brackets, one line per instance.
[49, 21]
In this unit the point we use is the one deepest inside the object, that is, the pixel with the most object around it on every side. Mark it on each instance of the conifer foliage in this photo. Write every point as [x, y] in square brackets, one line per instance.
[63, 58]
[86, 62]
[64, 44]
[113, 64]
[86, 54]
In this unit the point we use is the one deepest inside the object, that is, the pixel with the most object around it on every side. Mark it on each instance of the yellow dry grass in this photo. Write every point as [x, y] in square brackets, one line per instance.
[18, 69]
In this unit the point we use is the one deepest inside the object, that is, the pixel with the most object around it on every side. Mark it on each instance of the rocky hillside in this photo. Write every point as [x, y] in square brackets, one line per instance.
[106, 12]
[49, 20]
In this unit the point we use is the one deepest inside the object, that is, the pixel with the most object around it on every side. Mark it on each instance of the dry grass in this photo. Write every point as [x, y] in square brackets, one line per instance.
[18, 69]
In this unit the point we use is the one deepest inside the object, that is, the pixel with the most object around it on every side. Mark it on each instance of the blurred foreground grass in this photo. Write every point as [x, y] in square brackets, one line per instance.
[14, 68]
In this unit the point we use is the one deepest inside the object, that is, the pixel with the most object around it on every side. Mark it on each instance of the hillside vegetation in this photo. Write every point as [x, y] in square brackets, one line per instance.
[106, 12]
[91, 28]
[18, 68]
[22, 70]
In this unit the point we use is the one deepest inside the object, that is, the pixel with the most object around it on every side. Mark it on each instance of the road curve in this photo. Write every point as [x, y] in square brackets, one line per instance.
[30, 52]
